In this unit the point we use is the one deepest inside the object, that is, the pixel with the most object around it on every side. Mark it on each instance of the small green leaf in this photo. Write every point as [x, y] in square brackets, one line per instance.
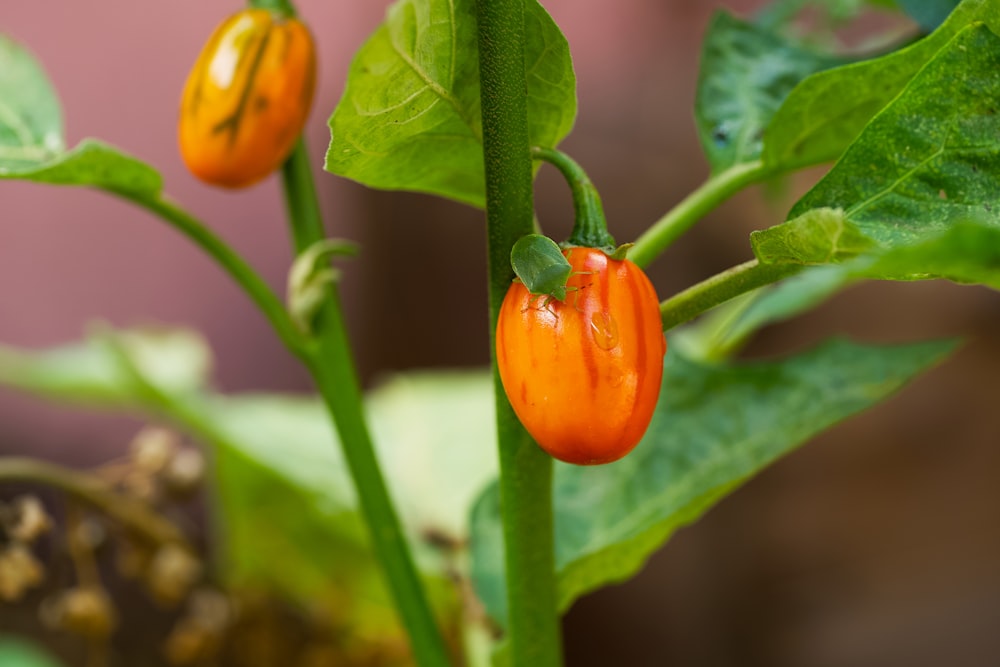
[92, 163]
[746, 72]
[714, 428]
[32, 147]
[828, 110]
[410, 115]
[16, 652]
[31, 126]
[540, 265]
[819, 236]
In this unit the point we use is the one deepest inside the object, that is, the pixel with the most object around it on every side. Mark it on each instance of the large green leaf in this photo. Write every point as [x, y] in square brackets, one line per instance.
[825, 112]
[928, 160]
[433, 436]
[32, 146]
[410, 119]
[715, 427]
[746, 73]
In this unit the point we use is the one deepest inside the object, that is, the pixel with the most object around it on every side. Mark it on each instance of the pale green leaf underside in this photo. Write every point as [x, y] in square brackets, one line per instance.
[714, 428]
[827, 110]
[409, 118]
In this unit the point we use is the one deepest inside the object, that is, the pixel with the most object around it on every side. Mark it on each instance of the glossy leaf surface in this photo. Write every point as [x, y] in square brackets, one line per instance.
[409, 118]
[828, 110]
[929, 160]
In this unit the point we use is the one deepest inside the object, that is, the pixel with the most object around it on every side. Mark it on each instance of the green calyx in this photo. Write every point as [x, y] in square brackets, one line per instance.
[590, 229]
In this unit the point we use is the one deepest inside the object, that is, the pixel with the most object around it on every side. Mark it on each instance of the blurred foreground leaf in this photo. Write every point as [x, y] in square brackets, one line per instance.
[15, 652]
[286, 500]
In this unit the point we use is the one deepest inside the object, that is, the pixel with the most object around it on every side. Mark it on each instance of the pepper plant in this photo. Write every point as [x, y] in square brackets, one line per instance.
[464, 99]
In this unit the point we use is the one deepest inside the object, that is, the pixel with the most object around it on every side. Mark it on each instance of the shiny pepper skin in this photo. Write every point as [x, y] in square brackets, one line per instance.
[583, 375]
[247, 98]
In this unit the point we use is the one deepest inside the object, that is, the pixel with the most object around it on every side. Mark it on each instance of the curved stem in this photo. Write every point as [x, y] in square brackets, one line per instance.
[95, 492]
[590, 228]
[332, 369]
[237, 268]
[720, 288]
[525, 470]
[693, 208]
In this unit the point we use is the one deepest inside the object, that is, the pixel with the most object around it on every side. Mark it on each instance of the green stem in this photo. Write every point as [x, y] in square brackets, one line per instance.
[720, 288]
[525, 470]
[590, 228]
[283, 7]
[332, 369]
[238, 269]
[693, 208]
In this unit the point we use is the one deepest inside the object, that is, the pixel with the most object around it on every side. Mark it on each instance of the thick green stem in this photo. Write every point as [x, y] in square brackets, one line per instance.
[238, 269]
[693, 208]
[720, 288]
[590, 228]
[332, 368]
[525, 471]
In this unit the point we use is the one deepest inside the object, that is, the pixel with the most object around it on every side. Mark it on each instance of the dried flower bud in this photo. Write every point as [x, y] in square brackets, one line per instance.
[19, 571]
[29, 520]
[172, 573]
[184, 473]
[132, 557]
[86, 611]
[198, 635]
[152, 448]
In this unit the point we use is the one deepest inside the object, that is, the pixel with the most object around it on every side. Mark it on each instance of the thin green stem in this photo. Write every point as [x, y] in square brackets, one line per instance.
[332, 369]
[301, 202]
[590, 228]
[129, 512]
[693, 208]
[238, 269]
[720, 288]
[525, 471]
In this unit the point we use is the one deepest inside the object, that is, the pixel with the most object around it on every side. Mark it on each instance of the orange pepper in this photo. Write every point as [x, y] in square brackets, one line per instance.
[247, 98]
[583, 374]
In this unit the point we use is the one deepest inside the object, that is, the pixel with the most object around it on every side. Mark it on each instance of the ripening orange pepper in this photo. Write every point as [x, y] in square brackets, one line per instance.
[247, 98]
[583, 374]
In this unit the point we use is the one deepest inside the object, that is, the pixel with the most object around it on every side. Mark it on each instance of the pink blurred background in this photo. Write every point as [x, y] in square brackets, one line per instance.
[876, 545]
